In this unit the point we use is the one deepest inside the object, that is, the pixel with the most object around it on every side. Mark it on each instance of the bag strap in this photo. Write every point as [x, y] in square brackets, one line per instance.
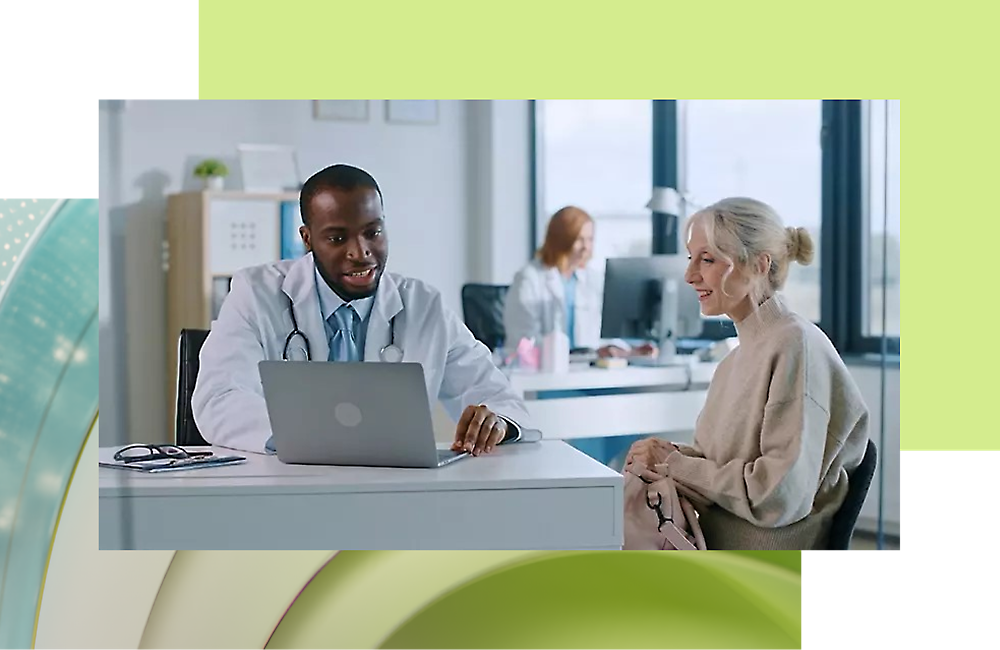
[677, 538]
[678, 504]
[694, 524]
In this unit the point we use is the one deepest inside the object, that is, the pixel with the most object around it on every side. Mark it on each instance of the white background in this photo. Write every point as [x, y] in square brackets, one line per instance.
[939, 590]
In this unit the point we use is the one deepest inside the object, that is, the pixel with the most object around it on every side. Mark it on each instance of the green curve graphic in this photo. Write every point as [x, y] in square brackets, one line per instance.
[791, 560]
[48, 395]
[762, 587]
[480, 599]
[625, 600]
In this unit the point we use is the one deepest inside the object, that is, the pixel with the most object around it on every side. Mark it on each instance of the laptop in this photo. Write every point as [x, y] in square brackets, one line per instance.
[359, 414]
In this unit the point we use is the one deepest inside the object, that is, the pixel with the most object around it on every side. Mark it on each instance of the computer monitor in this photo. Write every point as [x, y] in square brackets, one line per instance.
[647, 298]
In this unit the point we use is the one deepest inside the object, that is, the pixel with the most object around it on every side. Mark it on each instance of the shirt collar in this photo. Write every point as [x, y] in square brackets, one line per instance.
[572, 276]
[330, 302]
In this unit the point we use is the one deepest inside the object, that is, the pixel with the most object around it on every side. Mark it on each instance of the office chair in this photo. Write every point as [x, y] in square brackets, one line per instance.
[187, 373]
[858, 482]
[482, 309]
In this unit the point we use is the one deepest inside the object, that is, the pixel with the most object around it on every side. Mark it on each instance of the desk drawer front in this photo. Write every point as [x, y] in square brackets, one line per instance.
[554, 518]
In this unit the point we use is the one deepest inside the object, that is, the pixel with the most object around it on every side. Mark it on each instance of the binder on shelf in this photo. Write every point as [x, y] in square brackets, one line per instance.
[220, 289]
[291, 242]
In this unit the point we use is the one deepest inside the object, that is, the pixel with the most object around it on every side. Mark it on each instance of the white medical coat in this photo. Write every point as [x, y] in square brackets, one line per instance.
[254, 322]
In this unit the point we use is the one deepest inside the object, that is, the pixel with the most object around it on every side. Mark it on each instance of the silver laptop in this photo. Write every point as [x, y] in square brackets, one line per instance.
[361, 414]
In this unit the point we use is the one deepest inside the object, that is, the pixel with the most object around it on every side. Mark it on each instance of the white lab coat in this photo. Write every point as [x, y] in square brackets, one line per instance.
[536, 305]
[253, 323]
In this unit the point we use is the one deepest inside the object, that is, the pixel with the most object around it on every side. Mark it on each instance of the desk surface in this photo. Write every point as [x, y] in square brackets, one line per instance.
[545, 464]
[542, 495]
[584, 376]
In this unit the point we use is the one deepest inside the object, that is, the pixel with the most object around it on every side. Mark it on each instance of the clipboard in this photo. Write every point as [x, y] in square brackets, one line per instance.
[177, 464]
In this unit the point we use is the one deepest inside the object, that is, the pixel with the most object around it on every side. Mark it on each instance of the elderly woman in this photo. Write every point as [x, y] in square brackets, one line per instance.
[783, 422]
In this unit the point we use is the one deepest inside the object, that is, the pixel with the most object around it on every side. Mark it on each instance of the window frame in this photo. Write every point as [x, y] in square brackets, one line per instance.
[845, 231]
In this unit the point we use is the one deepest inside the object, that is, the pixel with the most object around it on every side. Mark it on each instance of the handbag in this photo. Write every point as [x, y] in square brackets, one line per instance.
[657, 517]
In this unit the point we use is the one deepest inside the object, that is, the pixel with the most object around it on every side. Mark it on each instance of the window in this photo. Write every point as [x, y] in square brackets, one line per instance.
[597, 155]
[883, 220]
[829, 166]
[860, 221]
[768, 150]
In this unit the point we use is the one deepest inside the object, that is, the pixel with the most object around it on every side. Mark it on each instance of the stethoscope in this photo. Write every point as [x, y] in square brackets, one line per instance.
[390, 353]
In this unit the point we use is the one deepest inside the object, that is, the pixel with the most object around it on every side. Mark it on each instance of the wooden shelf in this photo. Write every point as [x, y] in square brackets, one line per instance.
[197, 262]
[235, 195]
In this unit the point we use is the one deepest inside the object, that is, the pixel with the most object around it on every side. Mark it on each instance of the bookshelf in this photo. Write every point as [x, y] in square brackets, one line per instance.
[210, 235]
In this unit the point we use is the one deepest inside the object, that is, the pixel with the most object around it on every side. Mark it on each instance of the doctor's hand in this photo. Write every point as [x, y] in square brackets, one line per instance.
[644, 350]
[479, 430]
[611, 351]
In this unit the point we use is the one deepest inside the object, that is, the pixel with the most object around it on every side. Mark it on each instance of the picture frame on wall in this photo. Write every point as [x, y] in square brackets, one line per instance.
[411, 111]
[351, 110]
[269, 168]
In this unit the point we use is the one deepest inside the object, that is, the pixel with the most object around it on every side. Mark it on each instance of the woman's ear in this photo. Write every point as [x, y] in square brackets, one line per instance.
[763, 263]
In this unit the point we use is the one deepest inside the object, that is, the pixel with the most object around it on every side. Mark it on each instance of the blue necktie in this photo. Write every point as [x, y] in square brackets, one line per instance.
[343, 346]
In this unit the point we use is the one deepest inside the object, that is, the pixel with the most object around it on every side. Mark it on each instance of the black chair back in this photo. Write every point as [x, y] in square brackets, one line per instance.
[858, 482]
[187, 373]
[482, 310]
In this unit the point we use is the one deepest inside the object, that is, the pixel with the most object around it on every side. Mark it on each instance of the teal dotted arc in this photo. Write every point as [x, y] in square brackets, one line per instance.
[48, 391]
[20, 219]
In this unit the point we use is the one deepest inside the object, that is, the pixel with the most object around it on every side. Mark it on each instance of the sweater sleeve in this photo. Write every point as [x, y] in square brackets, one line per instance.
[691, 450]
[778, 487]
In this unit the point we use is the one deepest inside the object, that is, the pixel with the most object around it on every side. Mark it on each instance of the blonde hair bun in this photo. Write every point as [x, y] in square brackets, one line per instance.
[800, 245]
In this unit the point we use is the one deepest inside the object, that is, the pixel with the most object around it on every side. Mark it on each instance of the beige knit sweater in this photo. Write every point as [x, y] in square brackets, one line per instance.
[782, 425]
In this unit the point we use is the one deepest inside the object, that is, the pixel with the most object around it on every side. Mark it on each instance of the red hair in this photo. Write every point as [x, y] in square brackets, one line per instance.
[563, 230]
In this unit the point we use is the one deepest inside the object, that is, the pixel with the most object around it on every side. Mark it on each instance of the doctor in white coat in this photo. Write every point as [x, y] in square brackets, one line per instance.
[338, 296]
[560, 290]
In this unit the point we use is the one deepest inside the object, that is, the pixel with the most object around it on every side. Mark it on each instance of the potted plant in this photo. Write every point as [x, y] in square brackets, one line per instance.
[211, 171]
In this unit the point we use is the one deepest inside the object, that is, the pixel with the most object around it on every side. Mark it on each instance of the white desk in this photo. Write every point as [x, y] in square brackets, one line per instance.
[652, 400]
[543, 495]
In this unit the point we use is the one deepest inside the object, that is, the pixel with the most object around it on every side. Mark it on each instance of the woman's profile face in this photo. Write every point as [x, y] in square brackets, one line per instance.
[583, 247]
[706, 272]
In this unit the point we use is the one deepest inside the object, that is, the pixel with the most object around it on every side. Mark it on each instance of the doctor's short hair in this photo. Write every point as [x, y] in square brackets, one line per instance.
[564, 227]
[335, 177]
[740, 229]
